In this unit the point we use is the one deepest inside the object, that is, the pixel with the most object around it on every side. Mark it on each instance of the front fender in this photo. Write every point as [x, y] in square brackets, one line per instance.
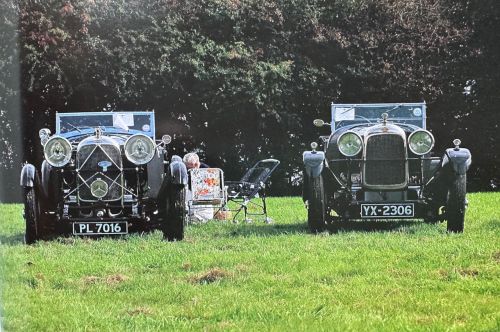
[178, 171]
[28, 176]
[313, 162]
[459, 159]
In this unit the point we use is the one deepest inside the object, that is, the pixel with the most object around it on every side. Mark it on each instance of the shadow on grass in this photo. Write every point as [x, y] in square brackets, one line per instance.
[406, 226]
[261, 229]
[12, 239]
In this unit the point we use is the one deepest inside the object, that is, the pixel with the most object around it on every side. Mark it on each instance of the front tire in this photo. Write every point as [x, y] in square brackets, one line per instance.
[316, 212]
[176, 214]
[456, 204]
[31, 215]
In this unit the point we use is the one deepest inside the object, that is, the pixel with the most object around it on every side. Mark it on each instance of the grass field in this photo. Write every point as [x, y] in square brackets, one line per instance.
[370, 276]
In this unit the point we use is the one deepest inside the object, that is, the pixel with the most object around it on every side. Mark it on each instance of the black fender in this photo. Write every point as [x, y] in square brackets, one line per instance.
[51, 185]
[178, 171]
[313, 167]
[458, 159]
[28, 174]
[313, 163]
[176, 175]
[156, 175]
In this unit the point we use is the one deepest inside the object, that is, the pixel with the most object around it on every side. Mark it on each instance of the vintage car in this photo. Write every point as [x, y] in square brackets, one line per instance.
[378, 163]
[104, 173]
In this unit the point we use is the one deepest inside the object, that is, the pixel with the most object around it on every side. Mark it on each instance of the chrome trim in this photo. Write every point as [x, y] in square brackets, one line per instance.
[107, 155]
[66, 159]
[99, 143]
[405, 159]
[134, 136]
[417, 131]
[360, 139]
[118, 184]
[88, 157]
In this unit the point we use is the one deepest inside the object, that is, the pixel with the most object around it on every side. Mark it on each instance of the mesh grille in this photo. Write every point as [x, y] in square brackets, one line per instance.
[385, 160]
[88, 159]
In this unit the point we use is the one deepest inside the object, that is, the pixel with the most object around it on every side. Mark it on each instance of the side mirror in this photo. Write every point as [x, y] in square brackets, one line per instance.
[166, 139]
[320, 123]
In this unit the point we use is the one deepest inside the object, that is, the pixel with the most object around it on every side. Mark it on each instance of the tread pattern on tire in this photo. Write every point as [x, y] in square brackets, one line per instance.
[174, 225]
[316, 209]
[31, 216]
[455, 208]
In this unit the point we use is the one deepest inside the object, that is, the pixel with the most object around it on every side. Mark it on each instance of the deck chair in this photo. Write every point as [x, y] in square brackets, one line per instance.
[251, 190]
[207, 193]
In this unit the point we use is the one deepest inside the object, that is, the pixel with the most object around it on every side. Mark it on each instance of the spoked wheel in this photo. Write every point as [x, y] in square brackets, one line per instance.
[316, 213]
[31, 215]
[176, 214]
[456, 205]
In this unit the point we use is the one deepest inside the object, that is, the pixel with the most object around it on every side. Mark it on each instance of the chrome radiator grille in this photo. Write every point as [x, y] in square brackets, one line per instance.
[385, 161]
[100, 161]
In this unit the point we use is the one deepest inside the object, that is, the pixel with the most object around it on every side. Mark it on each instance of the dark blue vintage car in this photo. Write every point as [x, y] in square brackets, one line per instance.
[104, 173]
[378, 163]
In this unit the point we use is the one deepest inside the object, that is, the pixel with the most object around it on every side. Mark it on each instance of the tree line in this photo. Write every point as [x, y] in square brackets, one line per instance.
[242, 80]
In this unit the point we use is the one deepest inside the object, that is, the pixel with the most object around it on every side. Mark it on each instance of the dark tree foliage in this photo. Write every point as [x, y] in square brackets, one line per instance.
[241, 80]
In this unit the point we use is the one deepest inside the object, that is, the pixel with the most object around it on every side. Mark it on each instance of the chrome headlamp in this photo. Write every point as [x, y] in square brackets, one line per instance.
[350, 144]
[139, 149]
[421, 142]
[57, 151]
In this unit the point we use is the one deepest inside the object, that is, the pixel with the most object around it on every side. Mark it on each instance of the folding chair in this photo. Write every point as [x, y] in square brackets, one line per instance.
[206, 191]
[250, 188]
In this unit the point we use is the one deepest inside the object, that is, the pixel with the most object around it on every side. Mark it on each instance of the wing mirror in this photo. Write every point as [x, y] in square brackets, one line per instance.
[320, 123]
[166, 139]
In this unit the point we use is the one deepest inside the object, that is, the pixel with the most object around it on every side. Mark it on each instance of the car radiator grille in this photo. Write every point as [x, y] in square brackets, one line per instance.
[385, 161]
[88, 159]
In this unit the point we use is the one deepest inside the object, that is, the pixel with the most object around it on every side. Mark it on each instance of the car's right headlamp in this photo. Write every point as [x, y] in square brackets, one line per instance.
[139, 149]
[57, 151]
[421, 142]
[350, 144]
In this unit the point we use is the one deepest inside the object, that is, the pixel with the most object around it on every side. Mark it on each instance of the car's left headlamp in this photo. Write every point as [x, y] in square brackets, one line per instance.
[421, 142]
[57, 151]
[139, 149]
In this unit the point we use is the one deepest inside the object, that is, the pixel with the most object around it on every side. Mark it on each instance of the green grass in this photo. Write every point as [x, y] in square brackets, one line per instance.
[373, 276]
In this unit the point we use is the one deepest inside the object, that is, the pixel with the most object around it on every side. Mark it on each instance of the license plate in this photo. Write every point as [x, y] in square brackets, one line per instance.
[403, 210]
[100, 228]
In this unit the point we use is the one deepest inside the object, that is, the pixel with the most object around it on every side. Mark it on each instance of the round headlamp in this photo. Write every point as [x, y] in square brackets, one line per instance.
[421, 142]
[139, 149]
[57, 151]
[350, 144]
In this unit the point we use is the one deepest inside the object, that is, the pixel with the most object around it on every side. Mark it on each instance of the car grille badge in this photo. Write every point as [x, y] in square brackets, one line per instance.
[104, 164]
[99, 188]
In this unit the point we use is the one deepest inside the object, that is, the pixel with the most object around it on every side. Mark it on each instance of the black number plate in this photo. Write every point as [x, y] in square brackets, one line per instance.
[100, 228]
[403, 210]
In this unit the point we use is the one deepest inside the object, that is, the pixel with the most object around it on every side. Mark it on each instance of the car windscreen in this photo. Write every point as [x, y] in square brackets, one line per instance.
[346, 115]
[111, 121]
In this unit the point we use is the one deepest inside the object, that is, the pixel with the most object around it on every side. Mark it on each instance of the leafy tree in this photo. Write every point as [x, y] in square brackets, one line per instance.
[240, 80]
